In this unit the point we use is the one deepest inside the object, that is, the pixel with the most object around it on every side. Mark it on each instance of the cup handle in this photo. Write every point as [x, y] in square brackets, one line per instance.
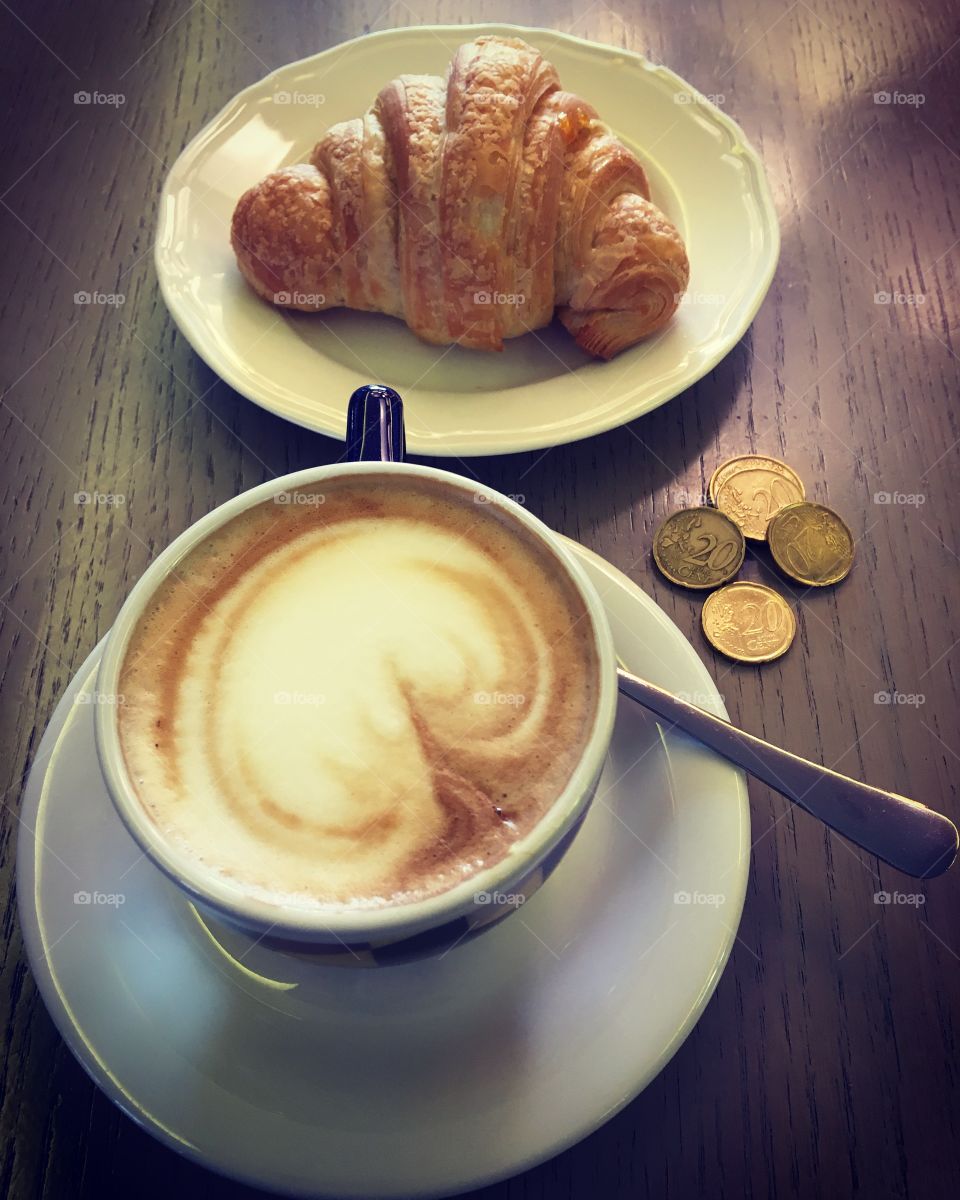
[375, 431]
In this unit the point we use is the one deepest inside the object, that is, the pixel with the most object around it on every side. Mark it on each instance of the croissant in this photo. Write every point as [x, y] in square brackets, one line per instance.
[473, 208]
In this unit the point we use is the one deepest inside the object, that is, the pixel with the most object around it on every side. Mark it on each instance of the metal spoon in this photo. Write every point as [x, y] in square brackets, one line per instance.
[905, 834]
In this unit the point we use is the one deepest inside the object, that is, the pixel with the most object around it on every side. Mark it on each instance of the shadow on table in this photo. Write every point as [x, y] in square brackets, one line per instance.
[623, 465]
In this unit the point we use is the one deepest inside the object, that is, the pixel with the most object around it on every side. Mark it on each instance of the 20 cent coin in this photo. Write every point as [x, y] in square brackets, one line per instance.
[699, 548]
[811, 543]
[750, 489]
[748, 622]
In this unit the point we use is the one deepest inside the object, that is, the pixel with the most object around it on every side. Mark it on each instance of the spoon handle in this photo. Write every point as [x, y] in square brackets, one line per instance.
[905, 834]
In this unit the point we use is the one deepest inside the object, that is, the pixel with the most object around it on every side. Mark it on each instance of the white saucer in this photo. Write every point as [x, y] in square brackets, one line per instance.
[541, 390]
[419, 1080]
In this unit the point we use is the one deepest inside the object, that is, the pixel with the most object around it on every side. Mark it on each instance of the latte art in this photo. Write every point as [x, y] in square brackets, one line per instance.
[358, 702]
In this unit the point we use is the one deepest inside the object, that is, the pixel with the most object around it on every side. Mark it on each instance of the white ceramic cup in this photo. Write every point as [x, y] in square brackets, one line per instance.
[393, 932]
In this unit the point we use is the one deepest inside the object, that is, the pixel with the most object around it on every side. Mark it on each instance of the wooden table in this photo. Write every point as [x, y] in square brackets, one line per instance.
[826, 1063]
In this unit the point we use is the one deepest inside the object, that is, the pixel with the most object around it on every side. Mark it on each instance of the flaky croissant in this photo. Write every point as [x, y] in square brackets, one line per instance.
[473, 208]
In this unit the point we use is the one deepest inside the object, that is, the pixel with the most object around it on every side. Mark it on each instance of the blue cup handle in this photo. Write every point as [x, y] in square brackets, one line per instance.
[375, 431]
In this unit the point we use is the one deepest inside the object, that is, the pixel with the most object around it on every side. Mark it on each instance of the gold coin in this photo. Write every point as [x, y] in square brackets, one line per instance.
[751, 488]
[749, 622]
[699, 548]
[741, 462]
[811, 544]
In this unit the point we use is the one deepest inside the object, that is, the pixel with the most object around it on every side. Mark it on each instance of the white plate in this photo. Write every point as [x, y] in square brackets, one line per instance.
[425, 1079]
[542, 390]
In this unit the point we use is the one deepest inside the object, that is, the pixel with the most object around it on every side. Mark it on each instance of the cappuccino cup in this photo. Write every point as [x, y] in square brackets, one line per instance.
[366, 706]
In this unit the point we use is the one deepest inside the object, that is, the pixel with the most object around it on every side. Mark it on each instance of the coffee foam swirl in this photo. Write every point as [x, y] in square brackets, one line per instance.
[358, 702]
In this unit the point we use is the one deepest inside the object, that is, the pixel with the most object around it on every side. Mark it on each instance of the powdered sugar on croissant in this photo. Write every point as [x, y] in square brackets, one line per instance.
[473, 208]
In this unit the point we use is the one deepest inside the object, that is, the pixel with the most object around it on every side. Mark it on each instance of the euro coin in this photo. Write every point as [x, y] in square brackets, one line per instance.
[748, 622]
[752, 488]
[699, 548]
[811, 543]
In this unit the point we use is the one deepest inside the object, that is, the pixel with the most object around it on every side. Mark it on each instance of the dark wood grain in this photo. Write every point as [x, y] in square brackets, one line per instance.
[827, 1062]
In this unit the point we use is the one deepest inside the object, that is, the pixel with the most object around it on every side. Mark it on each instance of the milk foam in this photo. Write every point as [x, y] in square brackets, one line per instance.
[358, 702]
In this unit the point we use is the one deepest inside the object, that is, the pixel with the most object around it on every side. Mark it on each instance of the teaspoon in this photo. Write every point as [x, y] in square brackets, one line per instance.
[904, 833]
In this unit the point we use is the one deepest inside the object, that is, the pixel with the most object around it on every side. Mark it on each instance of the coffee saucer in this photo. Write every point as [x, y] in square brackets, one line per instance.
[426, 1079]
